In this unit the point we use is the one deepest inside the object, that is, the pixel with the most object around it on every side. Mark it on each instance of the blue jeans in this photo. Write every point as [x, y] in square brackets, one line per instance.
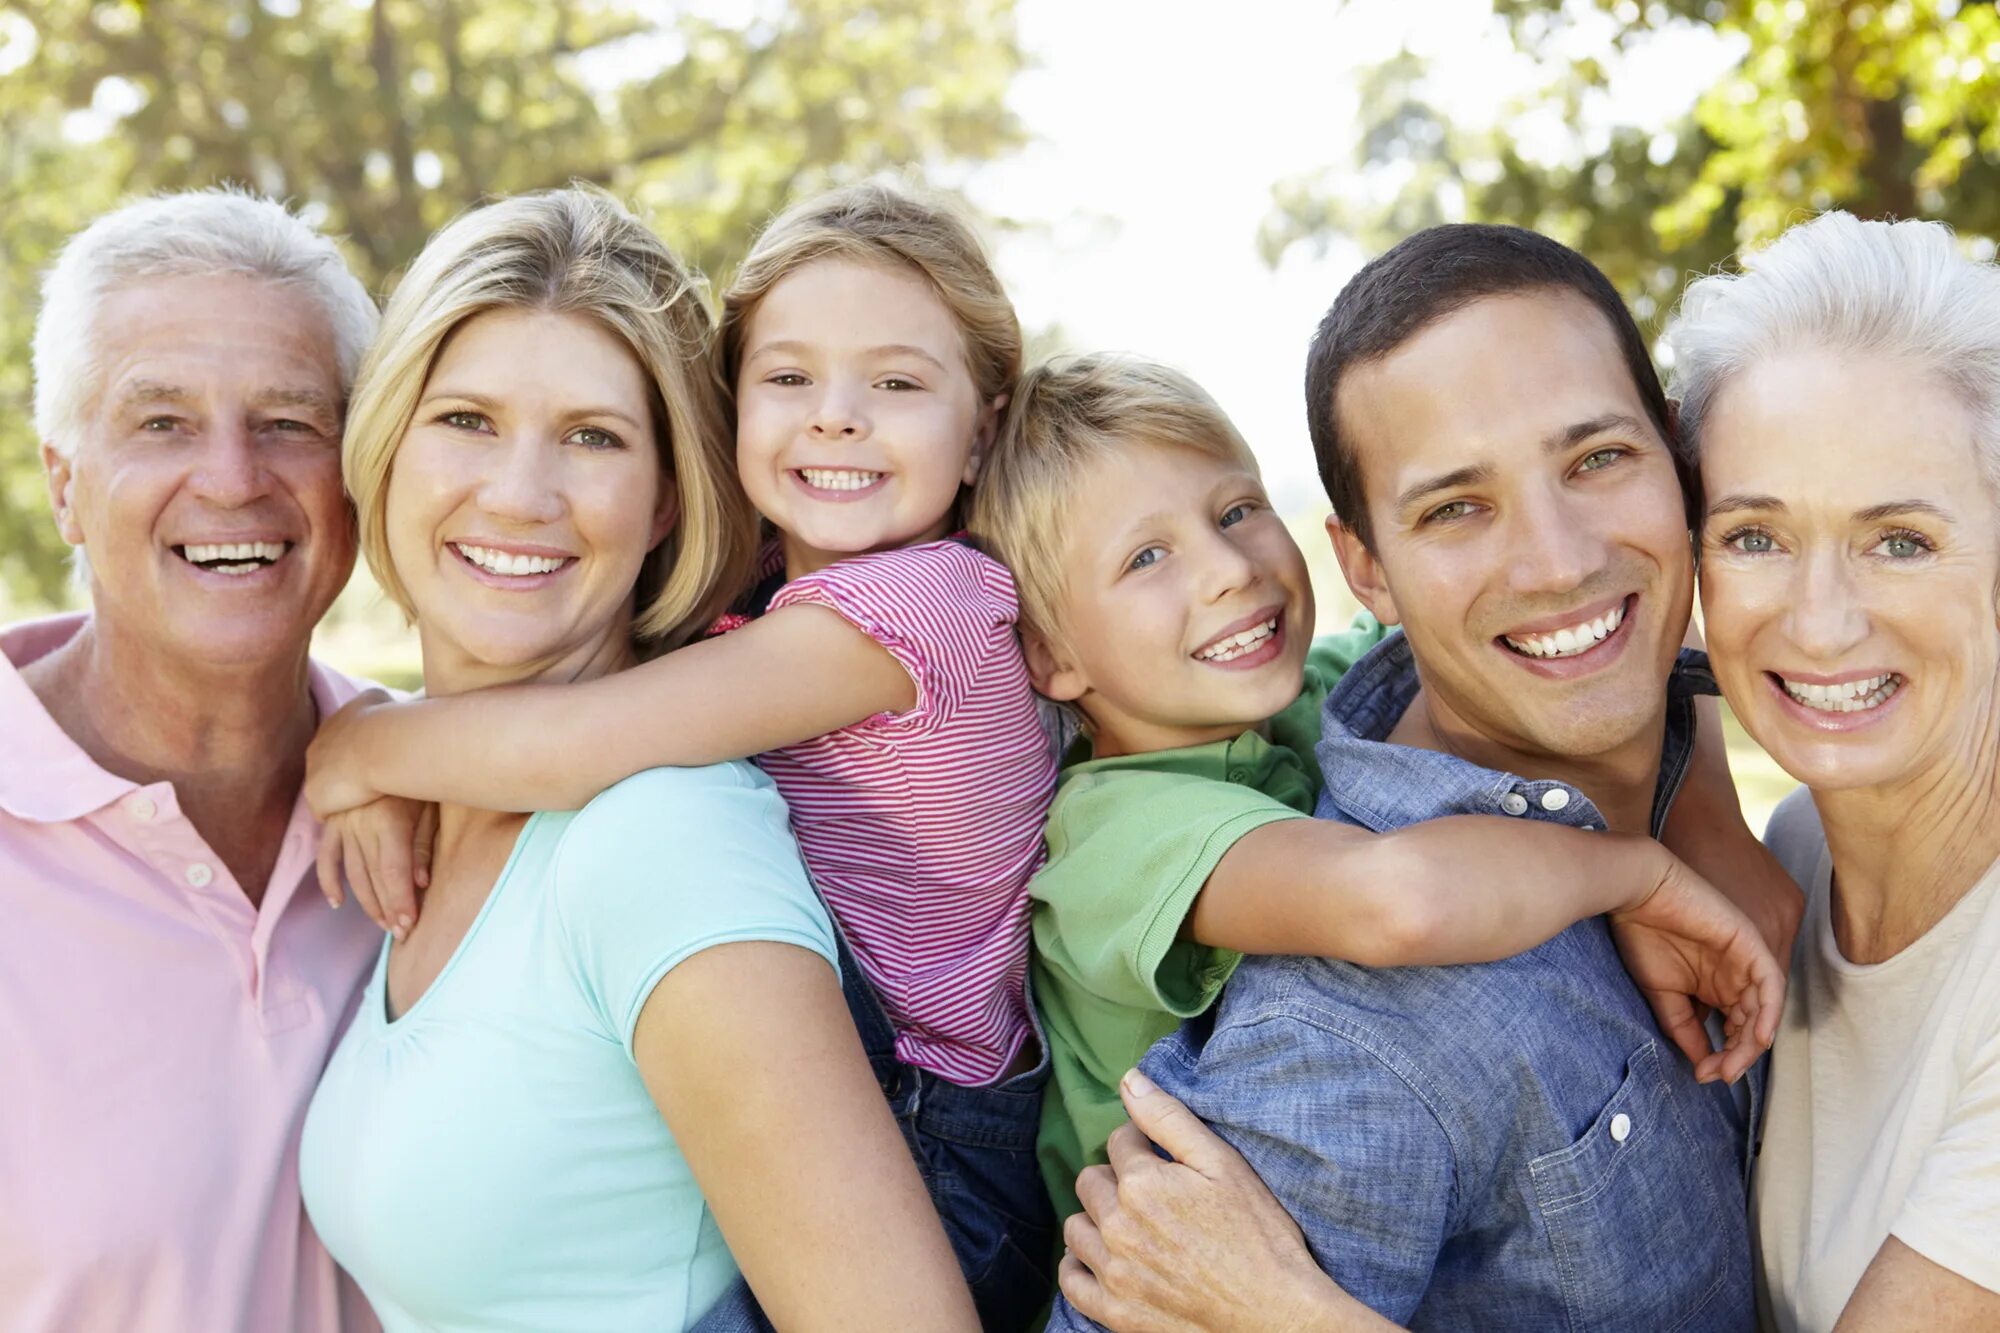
[975, 1148]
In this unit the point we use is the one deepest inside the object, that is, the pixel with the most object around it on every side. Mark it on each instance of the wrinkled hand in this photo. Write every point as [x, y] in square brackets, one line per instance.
[1685, 945]
[384, 848]
[1192, 1245]
[334, 781]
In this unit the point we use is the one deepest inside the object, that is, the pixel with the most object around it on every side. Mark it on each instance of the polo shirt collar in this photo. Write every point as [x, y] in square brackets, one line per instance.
[48, 778]
[1383, 786]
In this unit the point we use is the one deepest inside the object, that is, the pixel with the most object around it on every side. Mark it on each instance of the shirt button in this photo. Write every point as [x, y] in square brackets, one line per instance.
[1554, 799]
[1514, 803]
[200, 874]
[1621, 1127]
[142, 809]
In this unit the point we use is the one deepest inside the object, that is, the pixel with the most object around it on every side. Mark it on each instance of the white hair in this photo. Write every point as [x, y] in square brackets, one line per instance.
[1900, 289]
[192, 234]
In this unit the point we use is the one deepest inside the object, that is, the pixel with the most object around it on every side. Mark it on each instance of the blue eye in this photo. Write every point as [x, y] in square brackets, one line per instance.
[1234, 514]
[1903, 545]
[1147, 558]
[1750, 541]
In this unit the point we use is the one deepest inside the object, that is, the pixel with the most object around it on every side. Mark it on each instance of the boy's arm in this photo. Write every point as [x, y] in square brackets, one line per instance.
[798, 672]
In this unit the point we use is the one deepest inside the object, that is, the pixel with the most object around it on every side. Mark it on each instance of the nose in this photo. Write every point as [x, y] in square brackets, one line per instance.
[522, 484]
[1224, 567]
[230, 471]
[1824, 617]
[837, 414]
[1552, 546]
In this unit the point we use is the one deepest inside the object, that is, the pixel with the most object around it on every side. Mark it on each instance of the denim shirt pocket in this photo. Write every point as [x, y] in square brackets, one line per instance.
[1631, 1213]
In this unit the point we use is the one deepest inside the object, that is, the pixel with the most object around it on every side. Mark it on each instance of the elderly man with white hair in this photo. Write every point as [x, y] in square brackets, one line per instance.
[170, 986]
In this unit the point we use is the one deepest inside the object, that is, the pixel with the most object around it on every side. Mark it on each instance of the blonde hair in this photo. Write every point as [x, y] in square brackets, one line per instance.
[876, 223]
[1066, 416]
[570, 251]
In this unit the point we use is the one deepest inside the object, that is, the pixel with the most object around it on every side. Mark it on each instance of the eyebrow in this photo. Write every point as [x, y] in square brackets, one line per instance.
[489, 404]
[162, 391]
[1465, 476]
[1567, 438]
[153, 391]
[309, 398]
[788, 347]
[1733, 504]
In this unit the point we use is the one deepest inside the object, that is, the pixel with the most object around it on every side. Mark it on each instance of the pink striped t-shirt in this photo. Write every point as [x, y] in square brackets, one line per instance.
[922, 828]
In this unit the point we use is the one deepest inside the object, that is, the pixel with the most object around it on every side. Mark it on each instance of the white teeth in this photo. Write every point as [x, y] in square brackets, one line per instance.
[839, 479]
[1236, 645]
[233, 557]
[509, 563]
[1571, 641]
[1853, 696]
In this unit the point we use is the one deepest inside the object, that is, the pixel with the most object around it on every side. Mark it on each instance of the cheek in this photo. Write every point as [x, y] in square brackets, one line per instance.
[616, 510]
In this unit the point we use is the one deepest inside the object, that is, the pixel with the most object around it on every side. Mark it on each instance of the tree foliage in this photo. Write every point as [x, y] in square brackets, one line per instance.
[1888, 108]
[385, 118]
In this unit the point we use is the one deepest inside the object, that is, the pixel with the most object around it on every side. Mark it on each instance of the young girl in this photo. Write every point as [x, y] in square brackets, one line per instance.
[869, 347]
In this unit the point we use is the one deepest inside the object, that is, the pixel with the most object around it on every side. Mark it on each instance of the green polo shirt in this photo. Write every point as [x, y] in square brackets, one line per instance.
[1132, 840]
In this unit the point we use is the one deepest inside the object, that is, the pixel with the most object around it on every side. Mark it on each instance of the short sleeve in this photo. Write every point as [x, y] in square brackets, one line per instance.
[672, 861]
[1128, 854]
[1952, 1212]
[1334, 655]
[1357, 1158]
[942, 610]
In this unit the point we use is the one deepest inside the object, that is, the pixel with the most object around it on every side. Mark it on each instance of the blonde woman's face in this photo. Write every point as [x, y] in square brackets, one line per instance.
[857, 417]
[1849, 560]
[525, 496]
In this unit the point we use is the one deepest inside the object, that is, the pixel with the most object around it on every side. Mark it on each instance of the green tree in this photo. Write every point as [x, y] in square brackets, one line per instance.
[1887, 108]
[384, 118]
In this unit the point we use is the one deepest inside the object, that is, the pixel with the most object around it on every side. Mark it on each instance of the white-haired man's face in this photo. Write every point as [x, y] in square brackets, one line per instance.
[205, 480]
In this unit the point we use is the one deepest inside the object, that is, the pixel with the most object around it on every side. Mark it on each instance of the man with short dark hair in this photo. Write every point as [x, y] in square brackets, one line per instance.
[1511, 1145]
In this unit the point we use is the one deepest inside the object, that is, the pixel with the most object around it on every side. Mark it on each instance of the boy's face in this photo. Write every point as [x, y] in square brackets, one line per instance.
[1529, 534]
[1188, 611]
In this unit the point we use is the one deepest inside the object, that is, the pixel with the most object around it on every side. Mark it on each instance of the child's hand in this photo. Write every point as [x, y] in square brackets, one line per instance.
[334, 781]
[384, 847]
[1685, 944]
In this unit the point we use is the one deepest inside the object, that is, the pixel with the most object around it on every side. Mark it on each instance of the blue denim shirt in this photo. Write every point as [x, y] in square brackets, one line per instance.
[1499, 1146]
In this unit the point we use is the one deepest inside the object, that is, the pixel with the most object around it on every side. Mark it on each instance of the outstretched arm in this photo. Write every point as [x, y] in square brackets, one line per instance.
[1400, 899]
[799, 672]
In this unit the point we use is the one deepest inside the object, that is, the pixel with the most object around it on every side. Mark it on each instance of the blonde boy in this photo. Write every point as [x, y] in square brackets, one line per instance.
[1164, 600]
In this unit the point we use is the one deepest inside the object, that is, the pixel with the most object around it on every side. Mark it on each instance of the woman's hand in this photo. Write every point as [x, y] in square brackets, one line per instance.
[384, 848]
[1685, 944]
[1194, 1244]
[334, 780]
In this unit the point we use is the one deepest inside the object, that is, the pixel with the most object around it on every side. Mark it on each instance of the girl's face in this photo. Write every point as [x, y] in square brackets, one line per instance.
[527, 492]
[1849, 558]
[857, 417]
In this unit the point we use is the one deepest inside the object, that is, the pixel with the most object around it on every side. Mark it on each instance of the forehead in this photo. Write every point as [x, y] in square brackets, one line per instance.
[1142, 480]
[1486, 385]
[848, 303]
[541, 354]
[215, 336]
[1817, 427]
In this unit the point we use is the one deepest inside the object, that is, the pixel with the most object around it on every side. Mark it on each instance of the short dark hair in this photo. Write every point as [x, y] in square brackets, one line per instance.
[1421, 280]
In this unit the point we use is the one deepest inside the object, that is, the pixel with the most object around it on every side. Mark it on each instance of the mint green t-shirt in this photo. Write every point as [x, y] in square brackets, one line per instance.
[1131, 842]
[492, 1159]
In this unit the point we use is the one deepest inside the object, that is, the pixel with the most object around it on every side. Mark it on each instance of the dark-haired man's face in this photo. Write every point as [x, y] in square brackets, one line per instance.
[1529, 534]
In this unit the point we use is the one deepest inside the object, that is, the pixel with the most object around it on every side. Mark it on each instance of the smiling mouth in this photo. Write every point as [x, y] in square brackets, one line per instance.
[236, 558]
[509, 564]
[1240, 644]
[1572, 640]
[838, 478]
[1853, 696]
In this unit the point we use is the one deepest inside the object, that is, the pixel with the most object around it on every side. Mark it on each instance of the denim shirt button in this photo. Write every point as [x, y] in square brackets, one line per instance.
[1554, 799]
[1514, 803]
[1621, 1127]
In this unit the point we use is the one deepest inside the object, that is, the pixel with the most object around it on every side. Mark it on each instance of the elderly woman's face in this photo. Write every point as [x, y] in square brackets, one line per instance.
[1849, 563]
[527, 492]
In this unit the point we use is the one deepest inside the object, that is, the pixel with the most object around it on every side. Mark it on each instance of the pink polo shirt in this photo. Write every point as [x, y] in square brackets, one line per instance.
[160, 1039]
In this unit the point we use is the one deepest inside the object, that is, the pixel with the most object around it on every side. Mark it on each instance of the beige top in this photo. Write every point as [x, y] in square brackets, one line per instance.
[1883, 1115]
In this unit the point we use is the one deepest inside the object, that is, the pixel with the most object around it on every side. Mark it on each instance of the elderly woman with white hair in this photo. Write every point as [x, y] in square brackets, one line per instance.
[1842, 399]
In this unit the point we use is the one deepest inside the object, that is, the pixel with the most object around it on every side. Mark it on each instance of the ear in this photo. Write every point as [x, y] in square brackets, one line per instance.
[666, 511]
[61, 473]
[1362, 571]
[983, 432]
[1051, 672]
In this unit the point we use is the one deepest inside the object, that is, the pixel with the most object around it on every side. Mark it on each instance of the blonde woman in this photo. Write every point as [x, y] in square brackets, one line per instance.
[611, 1062]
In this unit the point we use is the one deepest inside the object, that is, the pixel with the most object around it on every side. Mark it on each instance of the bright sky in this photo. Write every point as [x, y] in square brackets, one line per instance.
[1160, 129]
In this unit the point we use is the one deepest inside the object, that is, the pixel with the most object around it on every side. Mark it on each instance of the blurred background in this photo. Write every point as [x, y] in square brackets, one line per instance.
[1188, 180]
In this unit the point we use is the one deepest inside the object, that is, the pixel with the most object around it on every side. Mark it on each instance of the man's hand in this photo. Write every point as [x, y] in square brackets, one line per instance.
[384, 848]
[1685, 944]
[334, 781]
[1192, 1245]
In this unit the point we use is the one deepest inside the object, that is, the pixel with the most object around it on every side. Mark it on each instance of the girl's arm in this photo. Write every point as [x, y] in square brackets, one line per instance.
[750, 1055]
[1475, 888]
[798, 672]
